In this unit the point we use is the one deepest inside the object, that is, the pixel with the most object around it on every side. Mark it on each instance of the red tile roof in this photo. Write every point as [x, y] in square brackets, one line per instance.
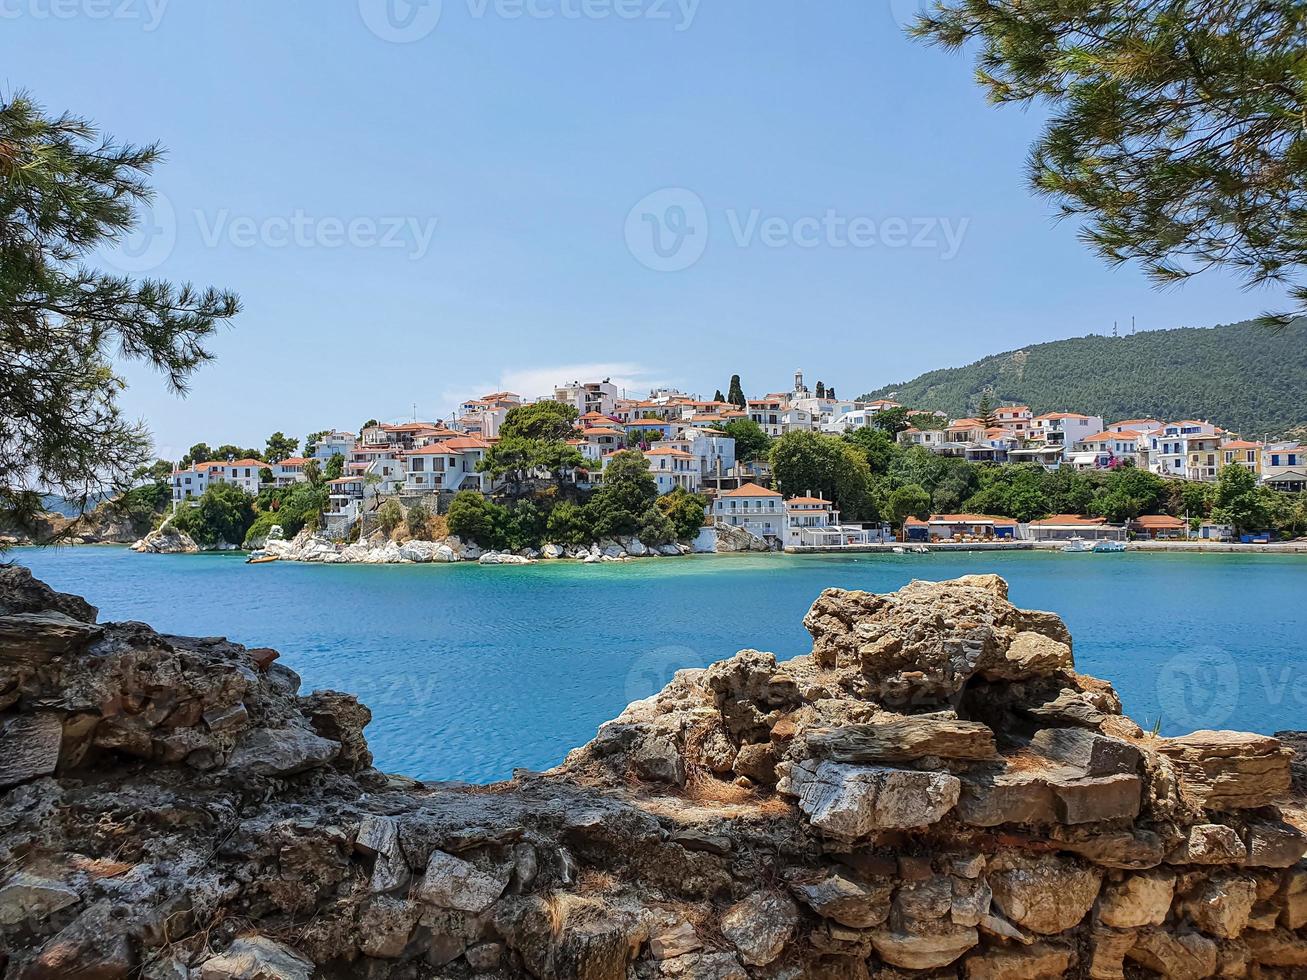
[750, 490]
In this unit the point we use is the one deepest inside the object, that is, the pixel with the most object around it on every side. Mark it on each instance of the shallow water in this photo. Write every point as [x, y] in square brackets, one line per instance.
[471, 671]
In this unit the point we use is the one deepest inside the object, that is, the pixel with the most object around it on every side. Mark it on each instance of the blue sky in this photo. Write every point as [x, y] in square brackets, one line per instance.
[519, 192]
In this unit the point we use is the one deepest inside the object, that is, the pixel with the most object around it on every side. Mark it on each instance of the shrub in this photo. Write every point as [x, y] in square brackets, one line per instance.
[417, 519]
[224, 514]
[390, 516]
[474, 518]
[568, 524]
[686, 512]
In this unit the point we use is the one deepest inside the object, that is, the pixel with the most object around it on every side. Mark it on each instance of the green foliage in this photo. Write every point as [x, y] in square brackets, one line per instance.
[568, 524]
[280, 446]
[65, 191]
[1247, 378]
[1127, 493]
[1173, 129]
[312, 472]
[141, 506]
[656, 528]
[541, 421]
[294, 507]
[1011, 491]
[686, 512]
[335, 467]
[892, 420]
[311, 442]
[1240, 502]
[735, 393]
[390, 515]
[224, 513]
[985, 413]
[474, 518]
[825, 466]
[750, 441]
[876, 446]
[627, 492]
[517, 458]
[718, 396]
[416, 519]
[909, 500]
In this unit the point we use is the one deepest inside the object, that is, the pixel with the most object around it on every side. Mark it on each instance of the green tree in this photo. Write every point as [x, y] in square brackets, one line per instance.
[335, 467]
[878, 448]
[517, 459]
[313, 472]
[416, 519]
[627, 492]
[223, 515]
[1240, 502]
[390, 516]
[821, 389]
[686, 512]
[198, 453]
[280, 446]
[735, 393]
[1174, 129]
[910, 500]
[718, 396]
[65, 191]
[474, 518]
[985, 413]
[311, 442]
[546, 421]
[892, 420]
[826, 466]
[568, 524]
[750, 441]
[656, 528]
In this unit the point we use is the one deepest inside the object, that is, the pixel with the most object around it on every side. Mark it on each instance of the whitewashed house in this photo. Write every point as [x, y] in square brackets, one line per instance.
[288, 471]
[672, 468]
[589, 396]
[446, 466]
[1064, 429]
[190, 484]
[758, 510]
[333, 443]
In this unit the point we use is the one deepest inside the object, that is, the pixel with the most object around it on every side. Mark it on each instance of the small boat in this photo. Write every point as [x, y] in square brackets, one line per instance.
[1077, 545]
[1103, 547]
[259, 558]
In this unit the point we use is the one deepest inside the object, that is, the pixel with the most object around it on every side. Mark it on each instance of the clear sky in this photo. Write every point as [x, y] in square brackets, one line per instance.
[418, 203]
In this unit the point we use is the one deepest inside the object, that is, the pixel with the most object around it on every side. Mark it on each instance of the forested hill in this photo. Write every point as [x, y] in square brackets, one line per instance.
[1242, 376]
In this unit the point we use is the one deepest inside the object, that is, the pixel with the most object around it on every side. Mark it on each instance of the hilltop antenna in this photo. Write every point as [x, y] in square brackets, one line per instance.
[1114, 333]
[1132, 325]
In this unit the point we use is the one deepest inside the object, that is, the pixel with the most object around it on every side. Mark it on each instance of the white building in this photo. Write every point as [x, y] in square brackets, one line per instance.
[1064, 429]
[672, 468]
[191, 483]
[288, 471]
[1168, 445]
[344, 499]
[758, 510]
[1103, 449]
[713, 449]
[813, 522]
[590, 396]
[446, 466]
[334, 443]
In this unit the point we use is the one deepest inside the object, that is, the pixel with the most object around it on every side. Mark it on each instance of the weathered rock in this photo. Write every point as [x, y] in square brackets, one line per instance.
[385, 926]
[378, 837]
[676, 939]
[1221, 906]
[167, 540]
[1031, 655]
[1042, 961]
[760, 926]
[1182, 956]
[849, 802]
[924, 952]
[1137, 900]
[1092, 754]
[1047, 894]
[852, 903]
[29, 746]
[452, 883]
[904, 740]
[1278, 947]
[1210, 844]
[24, 896]
[257, 958]
[1229, 770]
[281, 752]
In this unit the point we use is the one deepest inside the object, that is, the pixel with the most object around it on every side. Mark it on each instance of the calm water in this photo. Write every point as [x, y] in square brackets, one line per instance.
[471, 672]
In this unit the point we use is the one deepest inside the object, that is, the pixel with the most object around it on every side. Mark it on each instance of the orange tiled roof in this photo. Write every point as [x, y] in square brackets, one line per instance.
[1061, 519]
[750, 490]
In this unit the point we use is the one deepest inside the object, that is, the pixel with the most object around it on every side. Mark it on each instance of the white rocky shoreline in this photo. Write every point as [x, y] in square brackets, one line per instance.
[377, 549]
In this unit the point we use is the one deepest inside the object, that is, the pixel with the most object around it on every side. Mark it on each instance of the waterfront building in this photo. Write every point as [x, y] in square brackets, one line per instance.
[672, 468]
[1103, 450]
[958, 527]
[446, 466]
[1063, 527]
[1284, 467]
[758, 510]
[191, 483]
[1159, 527]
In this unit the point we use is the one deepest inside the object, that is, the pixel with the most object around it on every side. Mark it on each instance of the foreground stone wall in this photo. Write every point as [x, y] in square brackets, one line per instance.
[933, 792]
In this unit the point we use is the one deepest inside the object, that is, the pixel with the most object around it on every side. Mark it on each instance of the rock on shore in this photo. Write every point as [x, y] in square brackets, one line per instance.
[933, 792]
[379, 550]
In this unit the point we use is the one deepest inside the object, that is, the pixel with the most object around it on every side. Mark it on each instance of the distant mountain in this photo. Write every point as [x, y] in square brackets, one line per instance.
[1242, 376]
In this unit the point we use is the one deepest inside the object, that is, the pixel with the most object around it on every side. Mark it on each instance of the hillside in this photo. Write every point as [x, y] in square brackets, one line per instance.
[1241, 376]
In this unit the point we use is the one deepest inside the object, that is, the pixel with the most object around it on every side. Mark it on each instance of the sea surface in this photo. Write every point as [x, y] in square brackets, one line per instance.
[473, 671]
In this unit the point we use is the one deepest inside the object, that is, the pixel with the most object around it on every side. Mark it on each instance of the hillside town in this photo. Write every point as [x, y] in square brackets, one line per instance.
[689, 447]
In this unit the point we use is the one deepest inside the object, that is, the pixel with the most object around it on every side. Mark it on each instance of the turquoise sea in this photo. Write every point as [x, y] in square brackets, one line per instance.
[471, 672]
